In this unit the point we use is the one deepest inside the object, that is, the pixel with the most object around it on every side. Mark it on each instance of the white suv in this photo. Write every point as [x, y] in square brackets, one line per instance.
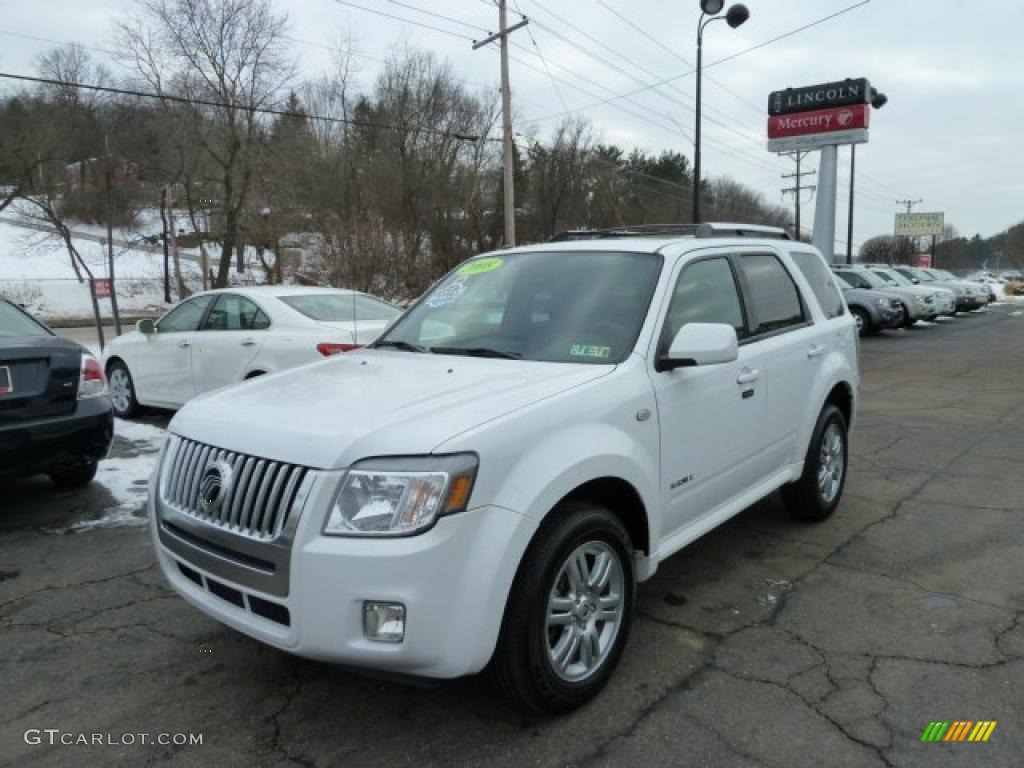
[486, 484]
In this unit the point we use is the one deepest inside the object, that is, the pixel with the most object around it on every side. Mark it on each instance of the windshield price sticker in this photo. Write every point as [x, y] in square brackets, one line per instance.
[479, 266]
[449, 294]
[588, 350]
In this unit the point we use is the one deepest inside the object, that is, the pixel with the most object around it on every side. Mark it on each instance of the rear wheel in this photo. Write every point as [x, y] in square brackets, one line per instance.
[816, 494]
[76, 475]
[569, 611]
[122, 390]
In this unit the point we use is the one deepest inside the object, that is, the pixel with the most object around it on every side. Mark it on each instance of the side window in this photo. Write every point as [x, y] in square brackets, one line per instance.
[820, 278]
[185, 317]
[705, 292]
[775, 299]
[235, 313]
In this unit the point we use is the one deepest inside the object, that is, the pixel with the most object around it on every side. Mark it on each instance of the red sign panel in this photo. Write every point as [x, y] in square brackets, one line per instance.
[924, 260]
[819, 121]
[101, 287]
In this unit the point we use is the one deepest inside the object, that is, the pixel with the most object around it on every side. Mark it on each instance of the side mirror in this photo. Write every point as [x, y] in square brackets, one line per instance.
[700, 344]
[145, 326]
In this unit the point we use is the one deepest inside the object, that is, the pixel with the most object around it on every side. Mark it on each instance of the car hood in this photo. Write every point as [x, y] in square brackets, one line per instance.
[864, 295]
[370, 403]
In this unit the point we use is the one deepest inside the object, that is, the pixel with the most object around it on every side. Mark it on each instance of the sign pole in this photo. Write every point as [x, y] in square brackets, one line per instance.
[824, 237]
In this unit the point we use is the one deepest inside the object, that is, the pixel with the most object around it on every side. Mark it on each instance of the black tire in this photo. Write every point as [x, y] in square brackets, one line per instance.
[805, 498]
[75, 475]
[522, 665]
[125, 405]
[908, 321]
[864, 325]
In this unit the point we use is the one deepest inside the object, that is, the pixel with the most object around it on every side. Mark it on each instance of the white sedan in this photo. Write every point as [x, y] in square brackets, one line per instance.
[224, 336]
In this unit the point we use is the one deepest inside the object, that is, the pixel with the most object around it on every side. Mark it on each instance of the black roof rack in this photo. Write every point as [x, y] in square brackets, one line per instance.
[711, 229]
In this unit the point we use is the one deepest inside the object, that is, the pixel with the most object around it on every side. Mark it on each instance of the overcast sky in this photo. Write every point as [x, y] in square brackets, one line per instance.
[953, 72]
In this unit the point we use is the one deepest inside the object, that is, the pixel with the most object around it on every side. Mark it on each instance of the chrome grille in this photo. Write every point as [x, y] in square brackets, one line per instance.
[256, 502]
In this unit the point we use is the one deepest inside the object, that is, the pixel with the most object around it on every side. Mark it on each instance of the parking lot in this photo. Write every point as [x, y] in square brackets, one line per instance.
[765, 643]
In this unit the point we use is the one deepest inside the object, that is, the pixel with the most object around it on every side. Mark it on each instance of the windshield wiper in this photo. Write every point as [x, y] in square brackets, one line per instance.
[404, 346]
[475, 352]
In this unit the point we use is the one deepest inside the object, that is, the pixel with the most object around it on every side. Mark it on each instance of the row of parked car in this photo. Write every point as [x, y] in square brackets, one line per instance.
[883, 296]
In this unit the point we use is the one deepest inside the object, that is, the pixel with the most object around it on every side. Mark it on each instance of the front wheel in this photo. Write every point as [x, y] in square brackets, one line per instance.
[864, 325]
[122, 390]
[816, 494]
[569, 611]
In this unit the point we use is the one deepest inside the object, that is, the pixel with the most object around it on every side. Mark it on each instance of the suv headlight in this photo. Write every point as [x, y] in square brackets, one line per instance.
[400, 496]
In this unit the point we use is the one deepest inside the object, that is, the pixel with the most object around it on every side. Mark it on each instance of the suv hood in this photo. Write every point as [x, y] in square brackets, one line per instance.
[370, 403]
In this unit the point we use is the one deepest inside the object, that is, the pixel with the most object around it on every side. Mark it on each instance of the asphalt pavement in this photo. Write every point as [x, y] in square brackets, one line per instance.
[767, 642]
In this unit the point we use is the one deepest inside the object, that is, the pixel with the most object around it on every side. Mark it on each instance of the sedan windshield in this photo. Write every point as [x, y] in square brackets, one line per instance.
[14, 322]
[554, 306]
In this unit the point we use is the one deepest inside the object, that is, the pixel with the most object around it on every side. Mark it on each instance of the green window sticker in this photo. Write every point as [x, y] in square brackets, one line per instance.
[588, 350]
[479, 266]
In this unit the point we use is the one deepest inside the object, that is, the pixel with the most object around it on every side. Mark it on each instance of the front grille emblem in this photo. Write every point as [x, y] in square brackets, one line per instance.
[214, 486]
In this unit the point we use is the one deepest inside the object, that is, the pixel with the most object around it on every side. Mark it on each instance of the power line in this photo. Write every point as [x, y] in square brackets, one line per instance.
[234, 107]
[405, 20]
[724, 59]
[437, 15]
[676, 54]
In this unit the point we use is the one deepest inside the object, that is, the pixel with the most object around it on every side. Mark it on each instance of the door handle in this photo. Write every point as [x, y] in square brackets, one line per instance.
[185, 343]
[815, 350]
[748, 376]
[248, 342]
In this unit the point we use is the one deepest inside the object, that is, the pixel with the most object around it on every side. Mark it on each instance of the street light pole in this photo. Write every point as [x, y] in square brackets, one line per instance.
[710, 10]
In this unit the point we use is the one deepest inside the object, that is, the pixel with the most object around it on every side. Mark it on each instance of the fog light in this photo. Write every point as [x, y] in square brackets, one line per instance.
[384, 622]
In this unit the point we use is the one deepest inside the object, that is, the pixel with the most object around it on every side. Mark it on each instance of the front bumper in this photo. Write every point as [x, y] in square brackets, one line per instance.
[890, 317]
[37, 447]
[453, 581]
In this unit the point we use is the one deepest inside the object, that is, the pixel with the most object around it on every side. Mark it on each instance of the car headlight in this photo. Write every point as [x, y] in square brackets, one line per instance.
[400, 496]
[881, 302]
[919, 300]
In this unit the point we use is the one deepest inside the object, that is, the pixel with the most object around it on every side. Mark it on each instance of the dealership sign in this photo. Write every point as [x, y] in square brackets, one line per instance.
[819, 115]
[843, 93]
[919, 224]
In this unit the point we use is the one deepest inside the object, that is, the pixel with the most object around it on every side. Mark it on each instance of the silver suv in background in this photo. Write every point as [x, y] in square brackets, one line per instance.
[968, 295]
[918, 303]
[945, 299]
[873, 310]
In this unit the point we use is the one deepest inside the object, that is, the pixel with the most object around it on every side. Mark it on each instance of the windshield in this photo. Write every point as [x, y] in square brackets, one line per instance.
[861, 278]
[340, 307]
[843, 284]
[944, 274]
[894, 277]
[14, 322]
[554, 306]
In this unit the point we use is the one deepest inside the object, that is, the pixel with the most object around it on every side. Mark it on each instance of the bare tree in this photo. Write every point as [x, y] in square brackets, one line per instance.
[229, 52]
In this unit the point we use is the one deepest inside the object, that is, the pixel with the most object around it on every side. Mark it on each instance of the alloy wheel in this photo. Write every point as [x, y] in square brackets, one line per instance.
[831, 463]
[120, 390]
[585, 611]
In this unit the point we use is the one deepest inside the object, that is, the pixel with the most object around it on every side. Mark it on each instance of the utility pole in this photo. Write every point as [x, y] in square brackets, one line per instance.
[108, 173]
[849, 211]
[798, 187]
[504, 30]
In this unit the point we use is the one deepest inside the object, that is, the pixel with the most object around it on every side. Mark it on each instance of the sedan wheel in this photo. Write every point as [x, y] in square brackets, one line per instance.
[122, 391]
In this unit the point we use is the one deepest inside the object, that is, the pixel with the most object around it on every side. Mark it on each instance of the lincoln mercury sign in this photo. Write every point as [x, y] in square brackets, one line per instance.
[919, 224]
[819, 115]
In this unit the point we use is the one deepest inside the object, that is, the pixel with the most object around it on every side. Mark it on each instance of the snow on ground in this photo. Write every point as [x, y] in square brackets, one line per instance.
[35, 271]
[126, 476]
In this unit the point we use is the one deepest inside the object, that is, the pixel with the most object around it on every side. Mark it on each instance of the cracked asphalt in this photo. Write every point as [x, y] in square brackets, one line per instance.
[765, 643]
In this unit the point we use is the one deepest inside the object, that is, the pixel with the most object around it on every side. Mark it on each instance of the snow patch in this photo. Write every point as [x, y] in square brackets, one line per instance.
[126, 478]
